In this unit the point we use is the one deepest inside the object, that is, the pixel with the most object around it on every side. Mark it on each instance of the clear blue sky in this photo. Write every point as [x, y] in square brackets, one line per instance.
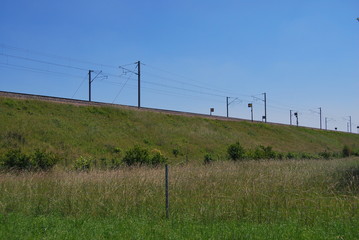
[303, 54]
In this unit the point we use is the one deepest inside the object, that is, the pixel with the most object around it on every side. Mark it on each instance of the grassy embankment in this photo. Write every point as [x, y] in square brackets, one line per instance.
[102, 132]
[301, 199]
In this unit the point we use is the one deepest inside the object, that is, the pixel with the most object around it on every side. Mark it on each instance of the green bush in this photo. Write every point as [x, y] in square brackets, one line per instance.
[136, 155]
[158, 159]
[14, 159]
[307, 156]
[83, 163]
[279, 155]
[41, 160]
[325, 155]
[268, 151]
[175, 152]
[235, 151]
[291, 155]
[208, 158]
[346, 151]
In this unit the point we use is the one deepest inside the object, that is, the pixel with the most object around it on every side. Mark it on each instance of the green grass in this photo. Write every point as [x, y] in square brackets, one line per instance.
[301, 199]
[15, 226]
[73, 131]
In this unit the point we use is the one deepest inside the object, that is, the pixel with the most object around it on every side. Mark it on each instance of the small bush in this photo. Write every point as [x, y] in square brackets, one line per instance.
[83, 163]
[291, 155]
[346, 151]
[175, 152]
[306, 156]
[325, 155]
[280, 156]
[235, 151]
[136, 155]
[208, 158]
[14, 159]
[158, 159]
[41, 160]
[268, 152]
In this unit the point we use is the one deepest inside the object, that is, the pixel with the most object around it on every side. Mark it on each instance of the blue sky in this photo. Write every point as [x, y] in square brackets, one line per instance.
[303, 54]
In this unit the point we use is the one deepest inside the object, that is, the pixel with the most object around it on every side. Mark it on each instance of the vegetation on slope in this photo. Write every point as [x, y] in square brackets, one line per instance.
[104, 133]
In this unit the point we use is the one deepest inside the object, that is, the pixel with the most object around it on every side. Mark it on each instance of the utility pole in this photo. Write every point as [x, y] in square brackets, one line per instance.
[320, 114]
[90, 81]
[227, 105]
[139, 83]
[290, 116]
[296, 115]
[265, 107]
[250, 105]
[350, 123]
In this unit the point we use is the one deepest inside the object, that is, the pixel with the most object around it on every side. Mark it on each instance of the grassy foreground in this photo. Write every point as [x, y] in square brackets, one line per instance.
[308, 199]
[104, 133]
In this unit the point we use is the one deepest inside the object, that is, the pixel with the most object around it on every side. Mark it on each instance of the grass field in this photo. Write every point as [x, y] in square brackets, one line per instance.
[302, 199]
[104, 133]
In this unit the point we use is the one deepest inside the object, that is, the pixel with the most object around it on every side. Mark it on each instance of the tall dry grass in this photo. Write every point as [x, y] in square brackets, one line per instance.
[257, 191]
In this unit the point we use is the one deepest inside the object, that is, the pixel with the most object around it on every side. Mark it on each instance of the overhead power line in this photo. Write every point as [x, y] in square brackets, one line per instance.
[38, 70]
[38, 53]
[42, 61]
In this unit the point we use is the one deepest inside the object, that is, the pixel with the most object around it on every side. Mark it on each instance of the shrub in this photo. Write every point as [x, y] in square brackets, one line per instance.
[158, 159]
[325, 155]
[235, 151]
[306, 156]
[268, 152]
[291, 155]
[346, 151]
[262, 152]
[280, 156]
[136, 155]
[83, 163]
[41, 160]
[208, 158]
[175, 152]
[14, 159]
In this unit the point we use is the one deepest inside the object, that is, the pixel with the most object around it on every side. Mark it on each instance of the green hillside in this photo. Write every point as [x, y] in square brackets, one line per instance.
[100, 132]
